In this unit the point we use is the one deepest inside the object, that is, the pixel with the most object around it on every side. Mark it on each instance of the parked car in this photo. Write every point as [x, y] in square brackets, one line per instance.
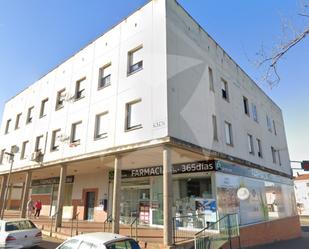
[19, 233]
[99, 240]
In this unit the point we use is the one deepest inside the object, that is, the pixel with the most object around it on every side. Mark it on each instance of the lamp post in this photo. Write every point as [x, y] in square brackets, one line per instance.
[8, 183]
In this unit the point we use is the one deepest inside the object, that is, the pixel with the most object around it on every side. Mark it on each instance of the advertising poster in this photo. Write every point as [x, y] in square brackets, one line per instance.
[208, 208]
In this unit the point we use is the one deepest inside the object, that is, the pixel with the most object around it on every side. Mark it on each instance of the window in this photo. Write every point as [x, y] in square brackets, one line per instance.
[268, 123]
[2, 156]
[214, 127]
[273, 153]
[17, 121]
[250, 144]
[211, 79]
[259, 147]
[274, 125]
[307, 184]
[55, 141]
[101, 126]
[133, 115]
[7, 127]
[105, 76]
[39, 144]
[123, 244]
[225, 92]
[43, 108]
[24, 150]
[70, 244]
[29, 115]
[246, 106]
[254, 113]
[79, 89]
[76, 132]
[228, 133]
[60, 99]
[279, 157]
[135, 61]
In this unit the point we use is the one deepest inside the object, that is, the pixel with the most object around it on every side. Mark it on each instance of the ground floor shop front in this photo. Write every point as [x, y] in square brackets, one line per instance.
[199, 190]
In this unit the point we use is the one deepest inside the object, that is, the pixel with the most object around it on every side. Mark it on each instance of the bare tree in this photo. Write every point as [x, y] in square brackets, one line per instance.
[269, 61]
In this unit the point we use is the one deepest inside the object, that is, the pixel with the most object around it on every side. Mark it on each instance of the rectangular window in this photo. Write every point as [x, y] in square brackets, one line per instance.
[39, 144]
[55, 140]
[105, 76]
[259, 147]
[214, 127]
[250, 144]
[246, 106]
[101, 126]
[279, 157]
[24, 150]
[225, 91]
[268, 121]
[76, 132]
[2, 156]
[30, 115]
[254, 113]
[133, 115]
[307, 184]
[7, 127]
[135, 61]
[43, 108]
[17, 121]
[273, 154]
[79, 89]
[228, 133]
[211, 79]
[60, 99]
[274, 125]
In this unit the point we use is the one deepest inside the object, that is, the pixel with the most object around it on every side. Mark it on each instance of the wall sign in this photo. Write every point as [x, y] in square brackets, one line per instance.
[50, 181]
[200, 166]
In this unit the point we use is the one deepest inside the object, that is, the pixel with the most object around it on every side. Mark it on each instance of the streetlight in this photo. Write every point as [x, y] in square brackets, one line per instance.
[15, 150]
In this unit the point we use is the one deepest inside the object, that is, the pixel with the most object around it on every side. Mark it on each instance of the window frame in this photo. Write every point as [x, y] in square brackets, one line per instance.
[2, 153]
[101, 74]
[140, 64]
[78, 91]
[228, 127]
[37, 144]
[246, 106]
[73, 139]
[215, 128]
[127, 116]
[273, 153]
[7, 126]
[211, 79]
[23, 150]
[250, 144]
[96, 126]
[225, 90]
[254, 112]
[43, 108]
[259, 148]
[53, 146]
[29, 115]
[17, 121]
[60, 99]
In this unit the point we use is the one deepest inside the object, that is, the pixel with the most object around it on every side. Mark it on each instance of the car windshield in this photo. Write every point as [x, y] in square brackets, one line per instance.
[19, 225]
[123, 244]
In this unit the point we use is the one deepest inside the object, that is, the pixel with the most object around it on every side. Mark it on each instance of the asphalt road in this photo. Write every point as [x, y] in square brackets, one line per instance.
[49, 243]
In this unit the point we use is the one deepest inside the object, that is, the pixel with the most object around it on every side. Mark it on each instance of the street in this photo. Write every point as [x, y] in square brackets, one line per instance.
[49, 243]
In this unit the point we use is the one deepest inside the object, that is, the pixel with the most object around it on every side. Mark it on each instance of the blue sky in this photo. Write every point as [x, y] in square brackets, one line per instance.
[35, 36]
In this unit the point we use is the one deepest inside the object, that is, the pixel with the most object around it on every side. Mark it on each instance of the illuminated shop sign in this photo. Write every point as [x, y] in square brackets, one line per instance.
[50, 181]
[192, 167]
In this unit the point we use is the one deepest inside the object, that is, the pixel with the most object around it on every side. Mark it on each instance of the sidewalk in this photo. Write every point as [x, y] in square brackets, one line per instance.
[301, 243]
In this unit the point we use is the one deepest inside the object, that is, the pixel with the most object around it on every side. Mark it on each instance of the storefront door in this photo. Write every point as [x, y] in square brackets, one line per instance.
[89, 207]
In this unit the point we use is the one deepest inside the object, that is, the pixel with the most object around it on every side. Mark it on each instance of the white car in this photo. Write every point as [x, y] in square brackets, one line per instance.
[99, 240]
[19, 233]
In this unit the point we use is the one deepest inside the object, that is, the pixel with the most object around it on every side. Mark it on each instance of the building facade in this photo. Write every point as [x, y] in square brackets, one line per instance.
[151, 120]
[301, 185]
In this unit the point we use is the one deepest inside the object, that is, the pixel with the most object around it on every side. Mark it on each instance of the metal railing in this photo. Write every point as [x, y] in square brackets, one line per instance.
[227, 229]
[51, 224]
[134, 223]
[185, 227]
[75, 217]
[108, 221]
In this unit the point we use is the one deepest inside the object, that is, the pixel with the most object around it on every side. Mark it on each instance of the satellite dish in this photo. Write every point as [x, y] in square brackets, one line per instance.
[15, 149]
[243, 194]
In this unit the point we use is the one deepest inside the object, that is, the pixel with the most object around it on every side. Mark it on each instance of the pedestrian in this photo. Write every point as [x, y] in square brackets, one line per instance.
[38, 207]
[30, 208]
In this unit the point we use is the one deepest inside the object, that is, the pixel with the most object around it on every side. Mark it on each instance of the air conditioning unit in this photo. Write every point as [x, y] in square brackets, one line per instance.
[36, 156]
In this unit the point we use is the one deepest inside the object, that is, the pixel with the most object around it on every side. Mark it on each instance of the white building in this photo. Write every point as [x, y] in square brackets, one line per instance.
[154, 90]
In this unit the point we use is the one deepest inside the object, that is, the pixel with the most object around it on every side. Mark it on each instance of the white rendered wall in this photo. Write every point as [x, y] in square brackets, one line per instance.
[145, 27]
[191, 104]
